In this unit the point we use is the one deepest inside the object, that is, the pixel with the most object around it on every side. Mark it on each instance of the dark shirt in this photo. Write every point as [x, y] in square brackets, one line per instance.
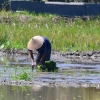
[45, 47]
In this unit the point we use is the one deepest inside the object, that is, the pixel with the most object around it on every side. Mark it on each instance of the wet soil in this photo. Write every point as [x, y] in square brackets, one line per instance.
[76, 57]
[76, 69]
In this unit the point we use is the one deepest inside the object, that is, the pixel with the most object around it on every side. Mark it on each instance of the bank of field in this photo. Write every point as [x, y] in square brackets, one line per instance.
[65, 34]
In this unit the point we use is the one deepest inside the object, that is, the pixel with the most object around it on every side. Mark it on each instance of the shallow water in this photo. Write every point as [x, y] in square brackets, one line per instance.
[73, 81]
[70, 72]
[38, 92]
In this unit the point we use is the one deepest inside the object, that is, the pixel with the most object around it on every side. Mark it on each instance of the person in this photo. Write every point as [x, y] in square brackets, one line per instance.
[43, 47]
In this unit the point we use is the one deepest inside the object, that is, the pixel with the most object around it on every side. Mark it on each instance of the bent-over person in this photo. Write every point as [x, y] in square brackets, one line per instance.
[43, 46]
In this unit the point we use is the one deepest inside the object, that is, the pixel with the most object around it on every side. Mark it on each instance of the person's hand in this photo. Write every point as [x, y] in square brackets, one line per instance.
[33, 66]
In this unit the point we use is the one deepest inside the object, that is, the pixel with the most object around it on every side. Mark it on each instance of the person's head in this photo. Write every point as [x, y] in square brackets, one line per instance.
[35, 43]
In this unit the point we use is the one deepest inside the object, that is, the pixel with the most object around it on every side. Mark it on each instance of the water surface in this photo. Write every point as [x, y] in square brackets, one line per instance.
[37, 92]
[73, 81]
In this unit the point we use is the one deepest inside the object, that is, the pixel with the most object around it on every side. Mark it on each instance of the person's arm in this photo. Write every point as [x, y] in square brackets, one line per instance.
[31, 58]
[43, 56]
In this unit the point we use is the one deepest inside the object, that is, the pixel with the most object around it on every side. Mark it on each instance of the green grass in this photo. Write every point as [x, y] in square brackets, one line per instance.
[16, 29]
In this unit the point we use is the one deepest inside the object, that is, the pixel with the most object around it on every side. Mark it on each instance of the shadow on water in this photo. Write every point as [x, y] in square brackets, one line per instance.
[74, 81]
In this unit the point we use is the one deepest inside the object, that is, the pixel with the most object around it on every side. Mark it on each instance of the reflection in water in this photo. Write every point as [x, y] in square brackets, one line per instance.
[48, 93]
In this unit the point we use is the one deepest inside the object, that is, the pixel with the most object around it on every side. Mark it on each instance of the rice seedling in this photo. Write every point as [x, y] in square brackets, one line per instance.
[21, 75]
[49, 66]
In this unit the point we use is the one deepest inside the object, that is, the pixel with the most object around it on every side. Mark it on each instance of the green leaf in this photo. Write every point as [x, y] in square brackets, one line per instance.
[2, 46]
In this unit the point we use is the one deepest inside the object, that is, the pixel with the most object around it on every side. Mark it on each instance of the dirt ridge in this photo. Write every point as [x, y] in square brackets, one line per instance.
[90, 56]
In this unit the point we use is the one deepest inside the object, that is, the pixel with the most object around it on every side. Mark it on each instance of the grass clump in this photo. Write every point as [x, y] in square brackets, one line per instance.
[22, 75]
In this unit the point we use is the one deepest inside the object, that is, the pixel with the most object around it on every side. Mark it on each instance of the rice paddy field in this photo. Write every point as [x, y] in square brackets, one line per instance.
[78, 76]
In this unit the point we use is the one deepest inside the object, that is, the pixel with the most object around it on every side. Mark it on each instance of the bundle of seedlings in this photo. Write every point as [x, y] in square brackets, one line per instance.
[49, 66]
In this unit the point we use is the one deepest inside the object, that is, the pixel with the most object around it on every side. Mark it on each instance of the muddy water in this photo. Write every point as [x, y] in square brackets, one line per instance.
[37, 92]
[73, 81]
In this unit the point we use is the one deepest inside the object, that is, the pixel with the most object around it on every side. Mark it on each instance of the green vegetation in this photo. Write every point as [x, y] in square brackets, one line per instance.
[49, 66]
[65, 34]
[22, 75]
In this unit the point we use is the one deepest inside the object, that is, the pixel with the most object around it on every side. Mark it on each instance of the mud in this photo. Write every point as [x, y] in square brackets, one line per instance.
[75, 57]
[76, 69]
